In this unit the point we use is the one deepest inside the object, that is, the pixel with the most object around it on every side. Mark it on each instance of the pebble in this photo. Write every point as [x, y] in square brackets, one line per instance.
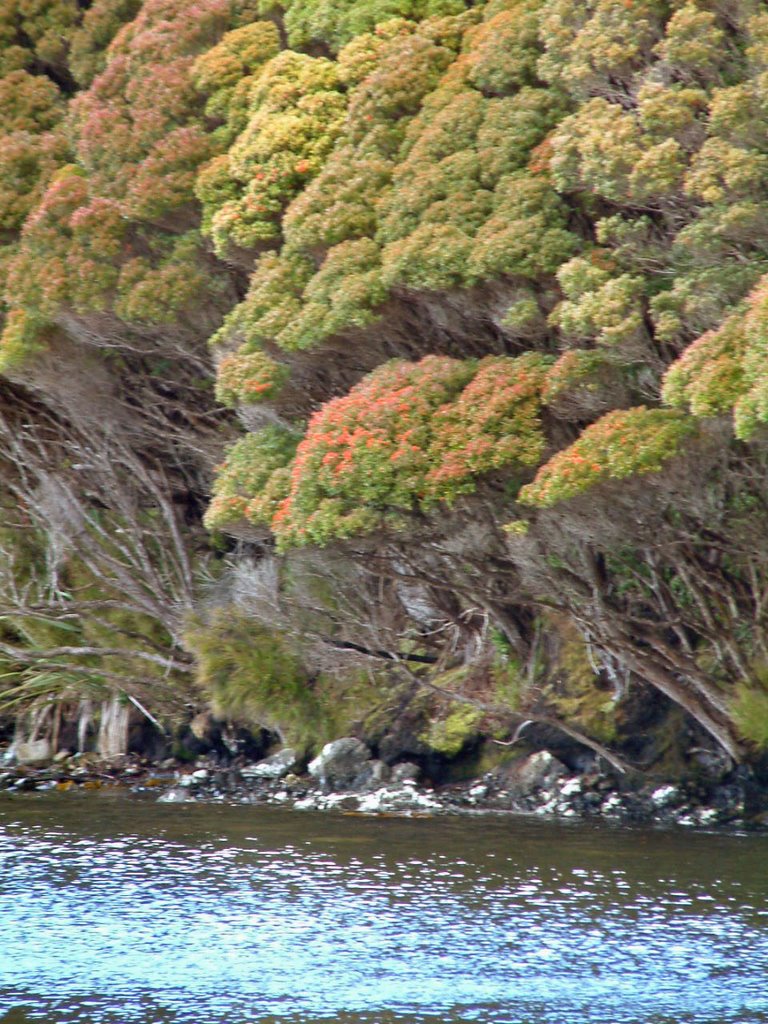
[380, 789]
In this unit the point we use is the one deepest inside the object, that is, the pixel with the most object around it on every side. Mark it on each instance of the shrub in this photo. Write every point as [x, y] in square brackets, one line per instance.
[345, 293]
[242, 52]
[505, 49]
[708, 378]
[527, 234]
[252, 676]
[101, 23]
[29, 103]
[408, 435]
[623, 443]
[27, 164]
[249, 377]
[245, 475]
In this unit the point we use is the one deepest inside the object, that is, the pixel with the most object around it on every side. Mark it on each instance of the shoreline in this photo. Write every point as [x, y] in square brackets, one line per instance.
[537, 784]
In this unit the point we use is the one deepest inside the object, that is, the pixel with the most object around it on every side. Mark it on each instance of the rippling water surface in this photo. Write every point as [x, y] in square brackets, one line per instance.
[120, 911]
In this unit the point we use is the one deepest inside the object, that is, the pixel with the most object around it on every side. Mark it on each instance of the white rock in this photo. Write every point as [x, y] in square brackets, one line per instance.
[537, 772]
[571, 787]
[340, 764]
[706, 815]
[611, 804]
[664, 796]
[274, 767]
[307, 803]
[177, 795]
[406, 773]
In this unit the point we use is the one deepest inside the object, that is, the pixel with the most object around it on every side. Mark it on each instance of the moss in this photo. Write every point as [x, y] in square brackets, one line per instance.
[450, 735]
[750, 708]
[575, 691]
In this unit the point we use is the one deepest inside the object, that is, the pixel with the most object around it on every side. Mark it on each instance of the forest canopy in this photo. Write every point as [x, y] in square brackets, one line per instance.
[425, 327]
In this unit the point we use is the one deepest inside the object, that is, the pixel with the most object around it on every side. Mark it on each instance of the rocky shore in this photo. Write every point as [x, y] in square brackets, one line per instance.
[345, 777]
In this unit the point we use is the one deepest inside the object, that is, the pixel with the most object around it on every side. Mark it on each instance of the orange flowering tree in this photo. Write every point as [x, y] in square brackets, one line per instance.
[621, 444]
[408, 436]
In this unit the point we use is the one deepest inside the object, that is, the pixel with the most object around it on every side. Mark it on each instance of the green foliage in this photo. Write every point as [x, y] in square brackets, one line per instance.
[251, 675]
[708, 377]
[389, 177]
[29, 103]
[450, 735]
[335, 22]
[577, 370]
[409, 435]
[504, 50]
[574, 690]
[725, 370]
[750, 710]
[36, 32]
[249, 377]
[27, 164]
[249, 482]
[527, 233]
[227, 71]
[599, 307]
[625, 443]
[101, 23]
[598, 45]
[296, 112]
[138, 138]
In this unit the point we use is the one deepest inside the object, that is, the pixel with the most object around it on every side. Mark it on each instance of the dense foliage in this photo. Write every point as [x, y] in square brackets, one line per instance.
[486, 286]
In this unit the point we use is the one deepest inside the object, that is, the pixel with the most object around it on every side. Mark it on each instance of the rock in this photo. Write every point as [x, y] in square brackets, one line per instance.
[176, 795]
[341, 764]
[307, 803]
[201, 775]
[33, 752]
[407, 771]
[538, 772]
[62, 755]
[612, 806]
[275, 767]
[373, 776]
[394, 799]
[665, 796]
[25, 785]
[710, 765]
[571, 787]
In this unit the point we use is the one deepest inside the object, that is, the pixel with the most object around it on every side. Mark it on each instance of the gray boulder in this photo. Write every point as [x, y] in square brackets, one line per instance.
[342, 764]
[406, 771]
[275, 767]
[374, 775]
[535, 773]
[33, 752]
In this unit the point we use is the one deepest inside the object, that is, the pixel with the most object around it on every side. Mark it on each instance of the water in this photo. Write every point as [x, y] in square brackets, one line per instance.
[134, 913]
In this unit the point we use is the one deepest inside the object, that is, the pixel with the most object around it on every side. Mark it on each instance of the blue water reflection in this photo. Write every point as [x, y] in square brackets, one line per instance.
[256, 919]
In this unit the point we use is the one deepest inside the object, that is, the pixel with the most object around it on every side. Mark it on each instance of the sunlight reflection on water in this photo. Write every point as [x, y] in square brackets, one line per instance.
[131, 913]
